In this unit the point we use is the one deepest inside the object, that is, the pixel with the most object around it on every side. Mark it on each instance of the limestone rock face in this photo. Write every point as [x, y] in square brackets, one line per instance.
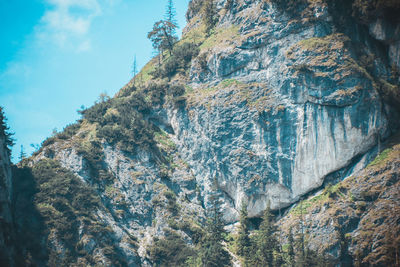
[389, 34]
[301, 107]
[277, 103]
[351, 219]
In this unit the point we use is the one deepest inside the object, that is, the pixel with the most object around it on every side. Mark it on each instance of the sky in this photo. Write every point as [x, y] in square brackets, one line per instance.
[57, 55]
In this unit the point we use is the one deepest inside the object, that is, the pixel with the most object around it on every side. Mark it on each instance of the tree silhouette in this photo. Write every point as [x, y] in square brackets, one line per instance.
[4, 132]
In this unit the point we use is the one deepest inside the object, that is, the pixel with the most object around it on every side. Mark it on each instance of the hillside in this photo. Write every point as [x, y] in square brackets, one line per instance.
[280, 104]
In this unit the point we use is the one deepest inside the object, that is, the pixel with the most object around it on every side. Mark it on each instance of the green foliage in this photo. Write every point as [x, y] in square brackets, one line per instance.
[122, 122]
[96, 112]
[92, 152]
[162, 36]
[243, 243]
[170, 251]
[266, 243]
[193, 9]
[172, 206]
[212, 252]
[381, 157]
[170, 14]
[52, 205]
[290, 249]
[178, 62]
[69, 131]
[209, 15]
[5, 133]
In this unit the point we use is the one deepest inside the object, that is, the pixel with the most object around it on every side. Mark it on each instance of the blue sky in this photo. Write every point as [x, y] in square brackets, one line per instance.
[56, 55]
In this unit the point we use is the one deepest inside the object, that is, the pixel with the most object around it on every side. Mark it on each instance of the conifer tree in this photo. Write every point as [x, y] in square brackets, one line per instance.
[212, 252]
[170, 16]
[243, 241]
[300, 246]
[4, 132]
[134, 69]
[265, 241]
[161, 36]
[290, 252]
[22, 153]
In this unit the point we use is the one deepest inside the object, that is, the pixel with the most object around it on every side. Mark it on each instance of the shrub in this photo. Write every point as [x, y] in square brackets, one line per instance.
[170, 251]
[186, 52]
[176, 90]
[179, 61]
[96, 112]
[69, 131]
[51, 199]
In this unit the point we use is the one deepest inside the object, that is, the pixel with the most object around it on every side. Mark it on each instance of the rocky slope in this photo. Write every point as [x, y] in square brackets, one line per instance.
[282, 97]
[357, 219]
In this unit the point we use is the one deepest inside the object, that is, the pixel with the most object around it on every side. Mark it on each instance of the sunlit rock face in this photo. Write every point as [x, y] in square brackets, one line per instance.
[302, 106]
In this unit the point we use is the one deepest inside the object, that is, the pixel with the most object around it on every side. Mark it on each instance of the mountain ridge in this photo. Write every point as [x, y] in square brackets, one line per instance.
[274, 101]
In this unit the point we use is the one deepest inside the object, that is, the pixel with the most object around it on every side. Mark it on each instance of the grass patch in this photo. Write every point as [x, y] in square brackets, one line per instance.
[381, 157]
[164, 141]
[221, 36]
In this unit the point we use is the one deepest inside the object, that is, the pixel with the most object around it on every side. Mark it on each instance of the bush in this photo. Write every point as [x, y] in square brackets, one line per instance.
[179, 61]
[96, 112]
[176, 90]
[69, 131]
[170, 251]
[186, 52]
[59, 199]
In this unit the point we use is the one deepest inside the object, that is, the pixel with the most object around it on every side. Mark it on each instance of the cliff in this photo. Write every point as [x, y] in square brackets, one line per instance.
[279, 99]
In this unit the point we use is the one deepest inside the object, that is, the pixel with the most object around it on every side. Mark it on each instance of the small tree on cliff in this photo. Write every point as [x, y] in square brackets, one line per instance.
[161, 36]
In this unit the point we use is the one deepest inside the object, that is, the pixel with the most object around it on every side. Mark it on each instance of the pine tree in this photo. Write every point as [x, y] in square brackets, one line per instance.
[170, 16]
[212, 252]
[243, 241]
[134, 69]
[265, 241]
[300, 242]
[4, 132]
[290, 252]
[22, 153]
[161, 36]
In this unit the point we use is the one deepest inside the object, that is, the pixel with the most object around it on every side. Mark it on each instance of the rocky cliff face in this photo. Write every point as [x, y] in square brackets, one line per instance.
[357, 218]
[280, 100]
[283, 103]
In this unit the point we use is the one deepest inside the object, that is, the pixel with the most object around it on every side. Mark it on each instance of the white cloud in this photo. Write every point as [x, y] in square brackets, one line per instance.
[67, 22]
[85, 46]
